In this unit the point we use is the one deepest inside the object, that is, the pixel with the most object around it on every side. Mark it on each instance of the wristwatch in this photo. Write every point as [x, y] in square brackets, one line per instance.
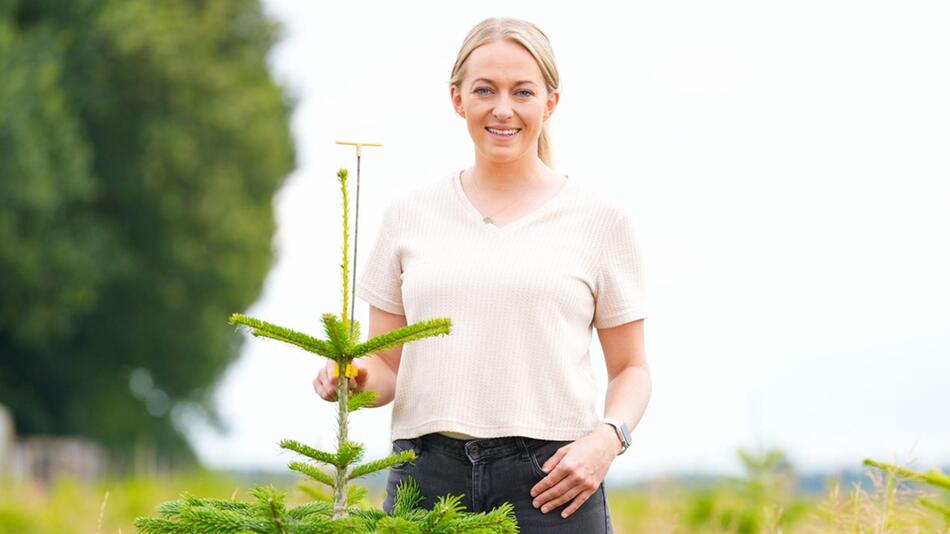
[622, 432]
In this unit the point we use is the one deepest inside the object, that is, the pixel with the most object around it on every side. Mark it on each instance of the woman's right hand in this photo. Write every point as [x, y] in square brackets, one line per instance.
[325, 383]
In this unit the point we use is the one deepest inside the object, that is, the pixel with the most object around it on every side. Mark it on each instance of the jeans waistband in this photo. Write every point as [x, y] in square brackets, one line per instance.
[473, 449]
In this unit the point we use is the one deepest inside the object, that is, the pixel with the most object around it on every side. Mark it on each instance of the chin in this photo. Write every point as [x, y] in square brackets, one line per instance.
[489, 146]
[496, 156]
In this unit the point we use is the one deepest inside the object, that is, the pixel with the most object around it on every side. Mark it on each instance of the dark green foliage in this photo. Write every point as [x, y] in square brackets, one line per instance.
[141, 144]
[269, 515]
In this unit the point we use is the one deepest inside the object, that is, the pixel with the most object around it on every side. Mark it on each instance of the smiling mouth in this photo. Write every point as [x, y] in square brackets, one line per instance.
[507, 133]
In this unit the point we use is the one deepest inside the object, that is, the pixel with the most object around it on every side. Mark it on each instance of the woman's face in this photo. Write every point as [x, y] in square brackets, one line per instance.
[503, 89]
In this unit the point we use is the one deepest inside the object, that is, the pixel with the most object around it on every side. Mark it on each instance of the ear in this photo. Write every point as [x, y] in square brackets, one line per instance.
[551, 103]
[456, 95]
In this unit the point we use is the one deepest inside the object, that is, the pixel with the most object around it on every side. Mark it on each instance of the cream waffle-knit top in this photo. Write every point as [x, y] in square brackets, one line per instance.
[523, 299]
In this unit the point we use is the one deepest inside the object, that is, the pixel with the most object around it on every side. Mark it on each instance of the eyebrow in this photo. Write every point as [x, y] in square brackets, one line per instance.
[492, 82]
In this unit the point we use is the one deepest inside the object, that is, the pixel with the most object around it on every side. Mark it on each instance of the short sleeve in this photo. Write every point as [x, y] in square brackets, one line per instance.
[380, 281]
[619, 295]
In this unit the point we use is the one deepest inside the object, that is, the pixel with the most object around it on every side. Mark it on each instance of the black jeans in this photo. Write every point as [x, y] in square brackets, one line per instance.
[489, 472]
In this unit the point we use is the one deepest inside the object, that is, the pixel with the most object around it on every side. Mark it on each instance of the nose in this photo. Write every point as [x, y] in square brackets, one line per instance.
[502, 111]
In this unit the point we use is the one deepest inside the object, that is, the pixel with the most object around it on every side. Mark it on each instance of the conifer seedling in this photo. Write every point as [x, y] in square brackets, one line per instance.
[268, 513]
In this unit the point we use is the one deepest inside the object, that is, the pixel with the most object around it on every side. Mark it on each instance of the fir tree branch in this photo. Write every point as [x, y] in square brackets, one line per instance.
[149, 525]
[341, 525]
[314, 525]
[369, 515]
[396, 525]
[220, 504]
[408, 498]
[356, 494]
[500, 520]
[399, 336]
[210, 520]
[261, 328]
[170, 508]
[267, 495]
[446, 509]
[362, 399]
[349, 452]
[337, 334]
[319, 507]
[309, 452]
[407, 455]
[312, 472]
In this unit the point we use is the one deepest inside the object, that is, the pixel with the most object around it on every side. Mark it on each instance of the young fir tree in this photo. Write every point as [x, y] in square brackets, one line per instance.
[267, 513]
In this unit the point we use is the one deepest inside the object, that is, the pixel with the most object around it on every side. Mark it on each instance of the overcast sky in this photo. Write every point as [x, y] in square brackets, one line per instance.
[786, 163]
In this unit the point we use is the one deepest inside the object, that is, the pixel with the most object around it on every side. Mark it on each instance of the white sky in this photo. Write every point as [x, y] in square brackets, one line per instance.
[787, 164]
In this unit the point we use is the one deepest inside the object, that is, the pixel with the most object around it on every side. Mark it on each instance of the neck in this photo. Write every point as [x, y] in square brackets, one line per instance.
[508, 176]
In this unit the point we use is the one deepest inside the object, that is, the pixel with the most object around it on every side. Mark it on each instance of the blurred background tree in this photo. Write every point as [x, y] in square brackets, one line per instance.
[140, 146]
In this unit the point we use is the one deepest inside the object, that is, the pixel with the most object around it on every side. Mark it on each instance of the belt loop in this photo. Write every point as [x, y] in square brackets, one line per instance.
[525, 453]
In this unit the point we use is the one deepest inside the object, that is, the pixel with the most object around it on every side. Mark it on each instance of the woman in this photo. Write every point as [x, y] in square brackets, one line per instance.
[524, 262]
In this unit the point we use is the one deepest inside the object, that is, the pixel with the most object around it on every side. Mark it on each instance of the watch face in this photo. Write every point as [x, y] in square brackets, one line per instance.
[626, 433]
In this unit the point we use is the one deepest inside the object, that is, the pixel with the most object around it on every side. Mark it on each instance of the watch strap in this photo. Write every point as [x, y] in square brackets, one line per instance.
[619, 427]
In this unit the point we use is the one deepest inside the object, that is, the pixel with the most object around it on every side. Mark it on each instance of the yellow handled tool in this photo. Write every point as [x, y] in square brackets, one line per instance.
[351, 370]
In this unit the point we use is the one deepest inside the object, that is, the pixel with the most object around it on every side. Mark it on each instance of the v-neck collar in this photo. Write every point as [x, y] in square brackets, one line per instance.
[476, 216]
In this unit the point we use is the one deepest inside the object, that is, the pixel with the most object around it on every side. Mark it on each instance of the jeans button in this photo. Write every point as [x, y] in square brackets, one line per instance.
[472, 448]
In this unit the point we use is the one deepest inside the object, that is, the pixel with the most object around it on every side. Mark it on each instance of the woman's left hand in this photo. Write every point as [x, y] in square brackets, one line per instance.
[576, 471]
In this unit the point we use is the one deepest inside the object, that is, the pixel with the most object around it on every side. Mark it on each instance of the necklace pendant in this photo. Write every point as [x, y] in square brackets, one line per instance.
[487, 220]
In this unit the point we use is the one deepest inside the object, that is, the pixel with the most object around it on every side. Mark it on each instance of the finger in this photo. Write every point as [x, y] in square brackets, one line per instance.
[547, 483]
[554, 459]
[549, 467]
[578, 501]
[355, 382]
[323, 378]
[557, 503]
[323, 391]
[332, 377]
[361, 375]
[326, 391]
[564, 491]
[542, 490]
[318, 383]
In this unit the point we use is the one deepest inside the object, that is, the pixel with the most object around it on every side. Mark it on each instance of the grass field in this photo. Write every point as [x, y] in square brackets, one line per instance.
[764, 501]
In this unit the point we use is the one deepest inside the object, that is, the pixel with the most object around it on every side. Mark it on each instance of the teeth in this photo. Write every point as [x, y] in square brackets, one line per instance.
[503, 132]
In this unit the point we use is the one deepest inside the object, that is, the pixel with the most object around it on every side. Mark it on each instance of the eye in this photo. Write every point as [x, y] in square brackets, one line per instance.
[529, 93]
[477, 89]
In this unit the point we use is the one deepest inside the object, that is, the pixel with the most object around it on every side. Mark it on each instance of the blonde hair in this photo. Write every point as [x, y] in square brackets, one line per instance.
[533, 40]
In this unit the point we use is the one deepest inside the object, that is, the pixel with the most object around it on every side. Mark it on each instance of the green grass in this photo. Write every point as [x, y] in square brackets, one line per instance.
[763, 501]
[110, 506]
